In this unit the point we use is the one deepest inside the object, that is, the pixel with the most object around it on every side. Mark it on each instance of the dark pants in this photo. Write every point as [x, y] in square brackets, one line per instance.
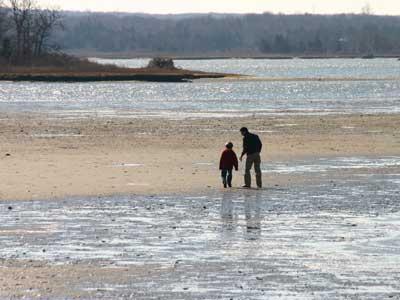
[227, 176]
[253, 159]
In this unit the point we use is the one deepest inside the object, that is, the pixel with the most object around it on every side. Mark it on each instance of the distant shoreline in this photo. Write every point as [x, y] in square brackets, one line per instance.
[217, 57]
[148, 75]
[282, 57]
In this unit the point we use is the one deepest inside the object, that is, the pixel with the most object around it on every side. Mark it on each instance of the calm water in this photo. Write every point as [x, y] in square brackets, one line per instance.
[295, 68]
[379, 93]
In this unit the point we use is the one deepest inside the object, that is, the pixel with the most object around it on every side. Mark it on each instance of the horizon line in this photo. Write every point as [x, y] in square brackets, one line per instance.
[227, 13]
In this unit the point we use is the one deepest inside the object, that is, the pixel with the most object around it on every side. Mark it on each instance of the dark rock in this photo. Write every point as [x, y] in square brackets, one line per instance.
[8, 154]
[10, 208]
[177, 263]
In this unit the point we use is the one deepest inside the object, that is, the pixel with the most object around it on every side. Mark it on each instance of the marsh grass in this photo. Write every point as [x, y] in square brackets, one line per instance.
[62, 67]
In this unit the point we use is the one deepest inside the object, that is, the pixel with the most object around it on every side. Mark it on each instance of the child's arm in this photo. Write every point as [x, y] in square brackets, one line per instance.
[220, 161]
[236, 163]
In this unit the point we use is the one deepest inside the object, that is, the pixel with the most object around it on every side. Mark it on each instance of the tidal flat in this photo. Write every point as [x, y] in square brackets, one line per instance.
[336, 237]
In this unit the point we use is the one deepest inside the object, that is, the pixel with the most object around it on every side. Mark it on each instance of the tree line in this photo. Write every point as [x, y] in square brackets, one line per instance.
[27, 31]
[356, 34]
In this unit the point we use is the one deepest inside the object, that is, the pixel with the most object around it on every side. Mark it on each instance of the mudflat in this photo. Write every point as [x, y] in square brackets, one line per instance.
[45, 158]
[335, 235]
[133, 209]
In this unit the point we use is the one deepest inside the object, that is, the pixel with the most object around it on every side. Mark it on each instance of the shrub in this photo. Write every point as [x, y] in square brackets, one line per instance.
[161, 63]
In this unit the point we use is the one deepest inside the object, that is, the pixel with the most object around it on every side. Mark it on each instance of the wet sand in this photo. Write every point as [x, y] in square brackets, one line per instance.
[335, 237]
[118, 208]
[44, 157]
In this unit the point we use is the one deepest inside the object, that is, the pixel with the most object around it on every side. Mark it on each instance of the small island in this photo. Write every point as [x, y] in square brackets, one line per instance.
[65, 68]
[27, 53]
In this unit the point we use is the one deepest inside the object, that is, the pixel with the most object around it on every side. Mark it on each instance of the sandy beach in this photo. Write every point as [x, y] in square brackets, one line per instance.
[107, 208]
[45, 158]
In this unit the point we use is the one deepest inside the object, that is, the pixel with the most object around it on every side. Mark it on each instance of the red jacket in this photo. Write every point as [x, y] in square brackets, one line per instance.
[228, 160]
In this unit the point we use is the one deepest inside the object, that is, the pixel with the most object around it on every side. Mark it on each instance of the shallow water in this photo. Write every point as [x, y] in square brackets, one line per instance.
[216, 98]
[295, 68]
[330, 239]
[323, 165]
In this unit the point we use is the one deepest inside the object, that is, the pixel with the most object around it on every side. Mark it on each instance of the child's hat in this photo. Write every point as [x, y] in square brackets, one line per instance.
[229, 145]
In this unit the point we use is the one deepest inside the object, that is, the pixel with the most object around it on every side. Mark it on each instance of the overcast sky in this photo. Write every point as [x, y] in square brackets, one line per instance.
[391, 7]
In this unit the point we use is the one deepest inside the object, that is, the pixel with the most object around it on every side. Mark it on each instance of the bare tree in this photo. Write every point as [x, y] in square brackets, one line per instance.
[22, 16]
[367, 9]
[46, 21]
[33, 27]
[2, 19]
[5, 41]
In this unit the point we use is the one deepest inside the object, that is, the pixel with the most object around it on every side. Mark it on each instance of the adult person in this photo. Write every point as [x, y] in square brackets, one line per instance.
[252, 147]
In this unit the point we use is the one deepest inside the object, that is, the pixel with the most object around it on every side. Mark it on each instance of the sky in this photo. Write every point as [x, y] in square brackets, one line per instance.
[383, 7]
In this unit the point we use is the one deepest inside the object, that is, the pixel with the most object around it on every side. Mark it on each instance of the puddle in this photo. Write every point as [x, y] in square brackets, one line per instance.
[127, 165]
[266, 131]
[138, 184]
[286, 125]
[204, 164]
[330, 164]
[323, 240]
[56, 135]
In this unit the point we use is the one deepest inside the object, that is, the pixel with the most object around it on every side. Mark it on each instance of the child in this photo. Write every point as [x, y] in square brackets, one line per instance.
[227, 163]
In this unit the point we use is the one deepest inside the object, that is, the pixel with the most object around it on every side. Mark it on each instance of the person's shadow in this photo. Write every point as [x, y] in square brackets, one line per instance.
[252, 212]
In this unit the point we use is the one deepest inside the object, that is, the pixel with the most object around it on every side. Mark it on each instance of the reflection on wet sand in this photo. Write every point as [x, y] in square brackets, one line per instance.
[252, 212]
[303, 241]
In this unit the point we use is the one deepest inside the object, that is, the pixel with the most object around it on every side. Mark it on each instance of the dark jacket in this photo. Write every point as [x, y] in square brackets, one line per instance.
[251, 144]
[228, 160]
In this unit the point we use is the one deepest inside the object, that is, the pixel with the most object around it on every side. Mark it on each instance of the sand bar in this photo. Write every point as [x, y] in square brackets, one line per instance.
[44, 158]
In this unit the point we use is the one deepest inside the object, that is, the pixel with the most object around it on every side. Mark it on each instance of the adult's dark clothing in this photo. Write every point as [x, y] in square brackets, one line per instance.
[252, 147]
[251, 144]
[253, 160]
